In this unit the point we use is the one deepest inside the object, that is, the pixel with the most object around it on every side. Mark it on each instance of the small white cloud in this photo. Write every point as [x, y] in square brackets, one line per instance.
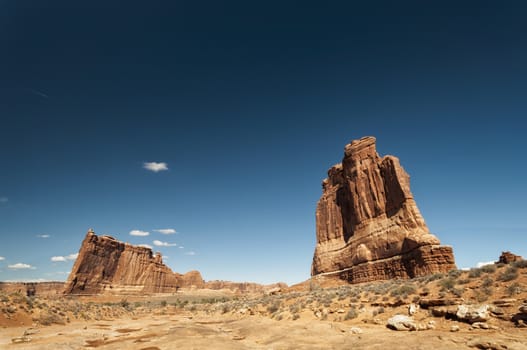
[481, 264]
[145, 246]
[20, 266]
[43, 236]
[181, 247]
[4, 199]
[58, 258]
[2, 258]
[139, 233]
[163, 244]
[155, 167]
[166, 231]
[72, 256]
[64, 258]
[190, 253]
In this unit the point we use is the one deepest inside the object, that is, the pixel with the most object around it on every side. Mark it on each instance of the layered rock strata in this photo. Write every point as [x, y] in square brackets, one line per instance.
[368, 225]
[106, 265]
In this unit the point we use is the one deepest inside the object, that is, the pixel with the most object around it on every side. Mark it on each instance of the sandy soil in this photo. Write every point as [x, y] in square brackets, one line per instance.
[250, 332]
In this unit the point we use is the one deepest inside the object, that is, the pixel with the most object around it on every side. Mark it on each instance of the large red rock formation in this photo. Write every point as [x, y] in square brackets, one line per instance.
[368, 224]
[105, 265]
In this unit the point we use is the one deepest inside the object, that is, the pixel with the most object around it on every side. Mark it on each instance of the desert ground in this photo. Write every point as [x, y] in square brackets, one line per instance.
[318, 314]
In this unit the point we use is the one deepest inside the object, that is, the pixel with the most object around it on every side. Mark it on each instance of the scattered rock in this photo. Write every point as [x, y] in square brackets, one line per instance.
[472, 313]
[454, 328]
[22, 339]
[508, 302]
[356, 330]
[486, 345]
[368, 224]
[523, 309]
[444, 311]
[402, 323]
[427, 303]
[412, 309]
[480, 325]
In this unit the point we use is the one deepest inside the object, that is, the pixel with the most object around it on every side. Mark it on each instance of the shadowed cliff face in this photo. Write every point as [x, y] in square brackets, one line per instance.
[368, 224]
[105, 265]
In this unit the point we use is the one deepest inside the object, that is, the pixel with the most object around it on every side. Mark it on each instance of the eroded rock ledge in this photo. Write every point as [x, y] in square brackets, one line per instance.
[368, 224]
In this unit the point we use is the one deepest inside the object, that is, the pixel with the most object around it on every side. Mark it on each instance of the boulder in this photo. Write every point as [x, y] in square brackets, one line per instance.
[368, 225]
[472, 313]
[402, 323]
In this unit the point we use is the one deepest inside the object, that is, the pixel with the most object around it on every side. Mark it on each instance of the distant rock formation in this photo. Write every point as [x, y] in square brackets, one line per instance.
[508, 257]
[245, 287]
[105, 265]
[33, 288]
[368, 224]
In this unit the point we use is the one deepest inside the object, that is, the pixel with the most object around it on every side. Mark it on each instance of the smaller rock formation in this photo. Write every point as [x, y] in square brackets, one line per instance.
[508, 257]
[105, 265]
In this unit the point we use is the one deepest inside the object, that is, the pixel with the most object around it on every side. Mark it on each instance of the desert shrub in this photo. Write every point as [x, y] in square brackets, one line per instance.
[508, 275]
[521, 264]
[458, 292]
[403, 290]
[274, 307]
[447, 283]
[455, 273]
[487, 282]
[49, 318]
[491, 268]
[474, 273]
[463, 281]
[435, 276]
[296, 317]
[351, 314]
[294, 308]
[226, 308]
[377, 311]
[514, 289]
[163, 303]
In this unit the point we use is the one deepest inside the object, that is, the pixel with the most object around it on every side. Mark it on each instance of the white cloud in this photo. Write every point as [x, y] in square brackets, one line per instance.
[190, 253]
[64, 258]
[481, 264]
[43, 236]
[166, 231]
[2, 258]
[20, 266]
[145, 246]
[181, 247]
[4, 199]
[163, 244]
[139, 233]
[155, 167]
[58, 258]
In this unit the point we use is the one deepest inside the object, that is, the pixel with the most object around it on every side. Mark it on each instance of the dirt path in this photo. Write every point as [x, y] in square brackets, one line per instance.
[252, 332]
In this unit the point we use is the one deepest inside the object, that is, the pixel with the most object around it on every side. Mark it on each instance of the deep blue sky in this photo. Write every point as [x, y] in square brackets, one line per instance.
[249, 103]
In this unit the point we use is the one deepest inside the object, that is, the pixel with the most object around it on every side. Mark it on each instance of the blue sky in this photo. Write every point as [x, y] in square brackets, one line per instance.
[248, 105]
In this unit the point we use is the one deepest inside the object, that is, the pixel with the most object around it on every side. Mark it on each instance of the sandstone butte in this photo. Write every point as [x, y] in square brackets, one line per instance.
[105, 265]
[368, 225]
